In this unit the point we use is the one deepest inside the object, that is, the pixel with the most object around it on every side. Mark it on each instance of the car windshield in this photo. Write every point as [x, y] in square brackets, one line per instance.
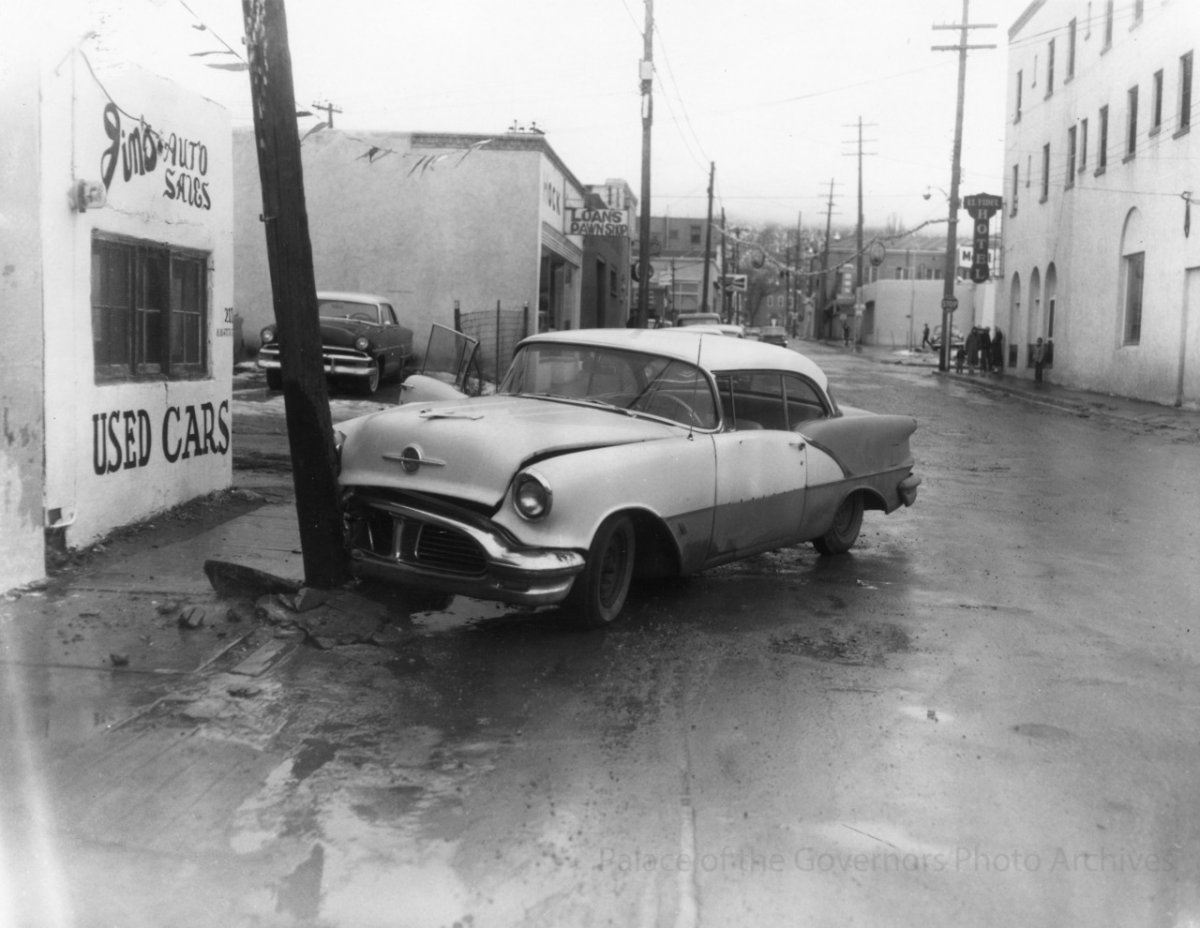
[347, 309]
[632, 381]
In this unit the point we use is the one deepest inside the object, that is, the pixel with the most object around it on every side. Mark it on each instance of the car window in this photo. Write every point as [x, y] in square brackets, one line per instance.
[389, 314]
[626, 380]
[753, 400]
[803, 400]
[348, 309]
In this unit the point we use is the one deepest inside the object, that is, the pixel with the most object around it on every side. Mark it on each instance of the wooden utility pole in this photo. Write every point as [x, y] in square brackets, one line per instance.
[725, 295]
[820, 309]
[646, 67]
[949, 302]
[712, 173]
[294, 292]
[329, 109]
[859, 307]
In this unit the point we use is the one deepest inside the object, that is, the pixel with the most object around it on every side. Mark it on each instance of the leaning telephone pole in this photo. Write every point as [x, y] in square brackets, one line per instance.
[949, 302]
[294, 290]
[646, 74]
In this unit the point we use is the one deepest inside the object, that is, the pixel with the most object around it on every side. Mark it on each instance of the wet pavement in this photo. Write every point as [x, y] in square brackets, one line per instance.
[191, 758]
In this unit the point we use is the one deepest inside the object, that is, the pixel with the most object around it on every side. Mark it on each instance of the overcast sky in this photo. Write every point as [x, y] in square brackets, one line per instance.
[770, 92]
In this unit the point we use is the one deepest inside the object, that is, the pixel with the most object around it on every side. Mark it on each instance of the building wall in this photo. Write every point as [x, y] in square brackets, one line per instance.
[22, 555]
[120, 451]
[891, 302]
[1066, 228]
[425, 220]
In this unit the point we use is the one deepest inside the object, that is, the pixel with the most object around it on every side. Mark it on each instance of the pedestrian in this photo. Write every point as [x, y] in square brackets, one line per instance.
[998, 352]
[985, 350]
[972, 350]
[925, 338]
[1039, 360]
[845, 332]
[960, 357]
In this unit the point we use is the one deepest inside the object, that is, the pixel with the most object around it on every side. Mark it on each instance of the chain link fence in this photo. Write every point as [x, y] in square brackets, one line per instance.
[498, 331]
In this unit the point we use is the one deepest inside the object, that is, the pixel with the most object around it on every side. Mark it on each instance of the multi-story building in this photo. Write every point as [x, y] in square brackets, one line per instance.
[679, 248]
[1098, 251]
[903, 287]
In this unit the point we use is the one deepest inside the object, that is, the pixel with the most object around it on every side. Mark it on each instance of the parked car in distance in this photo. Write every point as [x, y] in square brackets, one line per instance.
[774, 335]
[612, 453]
[449, 370]
[686, 319]
[725, 329]
[362, 341]
[956, 337]
[753, 331]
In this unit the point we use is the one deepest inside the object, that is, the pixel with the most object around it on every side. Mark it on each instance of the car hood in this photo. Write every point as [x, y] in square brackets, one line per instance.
[344, 331]
[470, 449]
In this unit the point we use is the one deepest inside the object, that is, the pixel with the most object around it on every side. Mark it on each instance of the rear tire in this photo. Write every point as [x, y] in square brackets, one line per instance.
[847, 522]
[599, 592]
[274, 380]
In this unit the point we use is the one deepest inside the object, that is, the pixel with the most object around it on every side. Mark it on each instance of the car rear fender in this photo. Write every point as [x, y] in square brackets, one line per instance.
[863, 443]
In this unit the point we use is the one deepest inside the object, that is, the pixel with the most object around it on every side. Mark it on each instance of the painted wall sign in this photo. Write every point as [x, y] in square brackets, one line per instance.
[141, 151]
[608, 222]
[123, 439]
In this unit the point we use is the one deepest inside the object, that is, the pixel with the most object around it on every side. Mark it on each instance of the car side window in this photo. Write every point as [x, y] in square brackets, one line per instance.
[753, 400]
[803, 401]
[389, 314]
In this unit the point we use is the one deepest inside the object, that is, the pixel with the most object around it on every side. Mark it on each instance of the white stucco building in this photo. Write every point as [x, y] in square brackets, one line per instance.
[1100, 255]
[116, 223]
[435, 221]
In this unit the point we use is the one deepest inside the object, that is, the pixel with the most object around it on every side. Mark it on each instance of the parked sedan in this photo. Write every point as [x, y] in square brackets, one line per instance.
[613, 453]
[774, 335]
[361, 341]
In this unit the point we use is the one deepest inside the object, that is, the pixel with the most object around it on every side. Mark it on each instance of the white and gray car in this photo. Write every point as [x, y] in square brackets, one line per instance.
[607, 454]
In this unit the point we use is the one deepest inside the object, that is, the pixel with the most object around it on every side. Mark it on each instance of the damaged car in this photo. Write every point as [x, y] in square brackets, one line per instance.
[610, 454]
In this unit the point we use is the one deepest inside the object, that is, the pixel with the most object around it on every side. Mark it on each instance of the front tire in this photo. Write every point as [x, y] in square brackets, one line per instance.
[847, 522]
[369, 384]
[274, 380]
[599, 592]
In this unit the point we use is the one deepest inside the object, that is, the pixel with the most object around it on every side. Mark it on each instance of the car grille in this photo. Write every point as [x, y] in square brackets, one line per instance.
[424, 544]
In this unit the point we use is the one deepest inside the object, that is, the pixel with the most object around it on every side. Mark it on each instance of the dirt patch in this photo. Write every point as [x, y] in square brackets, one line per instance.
[858, 644]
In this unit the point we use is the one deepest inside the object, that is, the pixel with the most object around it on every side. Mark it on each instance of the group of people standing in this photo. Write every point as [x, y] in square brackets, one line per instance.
[981, 350]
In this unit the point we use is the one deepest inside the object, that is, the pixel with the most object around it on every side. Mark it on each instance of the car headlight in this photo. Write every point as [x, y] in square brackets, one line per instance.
[267, 335]
[362, 343]
[531, 496]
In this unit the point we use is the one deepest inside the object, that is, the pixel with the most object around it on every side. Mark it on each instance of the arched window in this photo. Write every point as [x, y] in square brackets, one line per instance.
[1133, 271]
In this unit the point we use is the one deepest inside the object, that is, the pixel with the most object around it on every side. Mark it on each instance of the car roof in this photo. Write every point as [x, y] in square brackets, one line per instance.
[713, 352]
[349, 296]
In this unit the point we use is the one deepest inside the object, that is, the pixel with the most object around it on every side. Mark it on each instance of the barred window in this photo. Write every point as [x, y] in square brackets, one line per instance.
[149, 310]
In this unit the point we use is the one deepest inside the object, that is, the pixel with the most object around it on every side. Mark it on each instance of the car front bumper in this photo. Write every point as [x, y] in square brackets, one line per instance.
[337, 362]
[452, 552]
